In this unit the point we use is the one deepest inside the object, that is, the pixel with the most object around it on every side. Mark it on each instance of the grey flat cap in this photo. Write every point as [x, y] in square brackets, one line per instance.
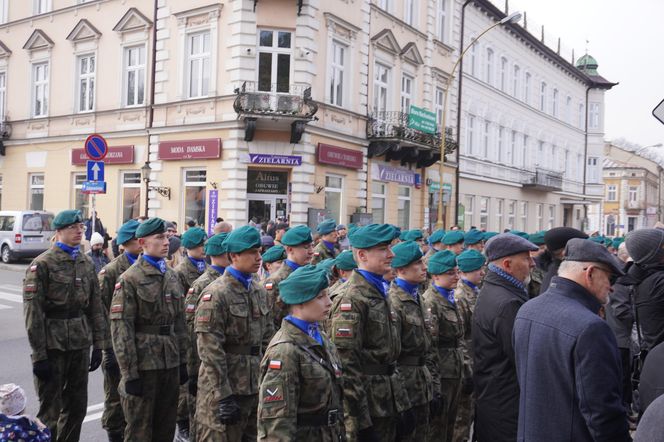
[507, 244]
[645, 246]
[587, 251]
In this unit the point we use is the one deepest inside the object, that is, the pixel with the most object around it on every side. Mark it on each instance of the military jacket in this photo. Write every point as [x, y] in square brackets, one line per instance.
[147, 320]
[363, 326]
[109, 275]
[536, 278]
[299, 377]
[271, 284]
[61, 304]
[188, 273]
[233, 328]
[321, 252]
[466, 298]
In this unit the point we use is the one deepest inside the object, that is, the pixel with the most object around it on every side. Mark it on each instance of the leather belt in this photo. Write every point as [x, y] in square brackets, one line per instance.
[378, 369]
[162, 330]
[327, 419]
[247, 350]
[413, 361]
[59, 314]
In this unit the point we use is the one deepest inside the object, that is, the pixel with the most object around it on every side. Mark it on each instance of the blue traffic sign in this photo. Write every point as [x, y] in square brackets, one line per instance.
[96, 147]
[94, 187]
[95, 170]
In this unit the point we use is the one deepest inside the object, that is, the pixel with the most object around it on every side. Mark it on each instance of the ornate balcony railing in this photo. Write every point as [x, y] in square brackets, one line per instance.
[276, 99]
[546, 180]
[393, 125]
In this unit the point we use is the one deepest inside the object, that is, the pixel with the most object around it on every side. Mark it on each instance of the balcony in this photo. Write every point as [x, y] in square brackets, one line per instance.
[390, 135]
[281, 103]
[544, 180]
[634, 205]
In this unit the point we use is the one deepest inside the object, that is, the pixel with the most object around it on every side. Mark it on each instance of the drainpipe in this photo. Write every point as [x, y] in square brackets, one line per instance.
[153, 67]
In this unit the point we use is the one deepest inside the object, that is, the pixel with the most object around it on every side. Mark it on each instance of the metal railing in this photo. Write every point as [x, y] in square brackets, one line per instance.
[393, 125]
[545, 180]
[274, 99]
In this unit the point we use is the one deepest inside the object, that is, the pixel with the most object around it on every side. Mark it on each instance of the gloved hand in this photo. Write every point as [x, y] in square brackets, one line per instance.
[43, 370]
[110, 362]
[468, 385]
[193, 386]
[406, 423]
[134, 387]
[436, 404]
[229, 411]
[183, 374]
[367, 435]
[95, 359]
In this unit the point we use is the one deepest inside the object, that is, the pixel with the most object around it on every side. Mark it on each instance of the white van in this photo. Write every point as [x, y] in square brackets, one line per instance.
[24, 233]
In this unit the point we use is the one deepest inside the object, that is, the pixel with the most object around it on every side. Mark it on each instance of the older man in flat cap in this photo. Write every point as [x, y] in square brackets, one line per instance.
[566, 356]
[504, 291]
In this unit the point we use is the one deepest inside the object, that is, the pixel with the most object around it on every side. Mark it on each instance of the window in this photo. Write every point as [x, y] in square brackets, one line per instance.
[4, 6]
[440, 97]
[39, 89]
[515, 81]
[41, 6]
[410, 12]
[582, 116]
[339, 51]
[3, 94]
[470, 145]
[523, 211]
[36, 191]
[511, 149]
[381, 87]
[131, 195]
[484, 213]
[194, 196]
[567, 166]
[540, 154]
[442, 22]
[198, 64]
[81, 200]
[610, 225]
[579, 168]
[594, 115]
[554, 106]
[503, 74]
[526, 88]
[540, 216]
[378, 202]
[403, 212]
[468, 213]
[274, 61]
[134, 75]
[86, 83]
[524, 152]
[500, 207]
[511, 214]
[407, 84]
[552, 217]
[633, 192]
[501, 142]
[489, 66]
[385, 4]
[543, 97]
[568, 110]
[593, 170]
[334, 186]
[631, 223]
[485, 140]
[473, 56]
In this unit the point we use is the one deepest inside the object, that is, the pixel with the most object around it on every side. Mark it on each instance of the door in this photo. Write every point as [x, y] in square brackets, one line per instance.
[262, 209]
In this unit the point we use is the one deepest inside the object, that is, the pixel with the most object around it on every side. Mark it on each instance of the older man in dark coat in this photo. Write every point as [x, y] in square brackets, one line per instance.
[504, 291]
[567, 358]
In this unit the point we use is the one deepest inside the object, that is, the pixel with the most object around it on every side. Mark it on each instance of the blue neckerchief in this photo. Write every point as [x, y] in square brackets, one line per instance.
[471, 285]
[71, 251]
[131, 258]
[407, 287]
[244, 278]
[158, 263]
[218, 268]
[509, 278]
[375, 280]
[310, 328]
[447, 294]
[329, 245]
[343, 279]
[293, 265]
[198, 263]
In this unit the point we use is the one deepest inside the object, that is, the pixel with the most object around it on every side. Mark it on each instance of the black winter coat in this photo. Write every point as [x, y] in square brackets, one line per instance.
[649, 303]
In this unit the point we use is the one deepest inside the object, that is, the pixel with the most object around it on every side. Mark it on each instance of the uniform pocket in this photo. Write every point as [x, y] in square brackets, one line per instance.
[59, 286]
[147, 294]
[377, 329]
[238, 324]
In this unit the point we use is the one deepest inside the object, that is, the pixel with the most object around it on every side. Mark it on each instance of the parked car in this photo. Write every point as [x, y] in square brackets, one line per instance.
[24, 233]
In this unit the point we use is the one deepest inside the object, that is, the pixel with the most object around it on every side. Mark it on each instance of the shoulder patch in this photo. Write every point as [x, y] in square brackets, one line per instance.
[191, 308]
[316, 253]
[269, 285]
[274, 364]
[203, 318]
[273, 394]
[118, 285]
[30, 288]
[102, 271]
[206, 297]
[117, 308]
[346, 307]
[343, 332]
[33, 268]
[191, 290]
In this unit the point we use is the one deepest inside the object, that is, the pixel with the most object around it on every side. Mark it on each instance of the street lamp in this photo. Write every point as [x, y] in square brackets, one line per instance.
[512, 18]
[161, 190]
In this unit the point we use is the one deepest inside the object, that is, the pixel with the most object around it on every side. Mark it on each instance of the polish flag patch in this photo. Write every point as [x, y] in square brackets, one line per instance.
[206, 297]
[118, 286]
[346, 307]
[191, 308]
[102, 271]
[30, 288]
[274, 364]
[191, 290]
[344, 333]
[117, 308]
[269, 285]
[33, 268]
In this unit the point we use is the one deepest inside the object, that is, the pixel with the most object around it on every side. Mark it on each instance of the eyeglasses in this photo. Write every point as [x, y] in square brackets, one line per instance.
[77, 226]
[612, 276]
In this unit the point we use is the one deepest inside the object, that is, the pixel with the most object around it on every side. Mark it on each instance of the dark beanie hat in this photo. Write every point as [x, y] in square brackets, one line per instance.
[645, 246]
[556, 239]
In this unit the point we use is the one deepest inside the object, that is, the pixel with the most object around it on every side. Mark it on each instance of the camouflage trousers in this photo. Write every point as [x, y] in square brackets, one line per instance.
[442, 425]
[151, 417]
[244, 431]
[63, 399]
[183, 401]
[421, 433]
[464, 419]
[191, 404]
[112, 420]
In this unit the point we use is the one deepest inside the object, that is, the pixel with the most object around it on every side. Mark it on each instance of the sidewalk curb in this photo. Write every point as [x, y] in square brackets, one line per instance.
[15, 267]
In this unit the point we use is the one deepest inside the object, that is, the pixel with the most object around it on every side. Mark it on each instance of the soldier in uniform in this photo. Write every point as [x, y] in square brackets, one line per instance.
[471, 266]
[435, 244]
[537, 273]
[273, 259]
[363, 326]
[345, 264]
[416, 349]
[63, 318]
[113, 419]
[233, 327]
[453, 241]
[473, 239]
[326, 247]
[150, 338]
[446, 329]
[300, 395]
[299, 251]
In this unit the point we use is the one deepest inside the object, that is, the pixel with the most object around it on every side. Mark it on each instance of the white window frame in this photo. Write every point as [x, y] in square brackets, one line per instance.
[41, 6]
[340, 191]
[193, 183]
[137, 68]
[468, 211]
[611, 192]
[470, 135]
[554, 103]
[511, 150]
[438, 106]
[552, 217]
[79, 186]
[523, 216]
[542, 104]
[582, 115]
[579, 167]
[632, 194]
[524, 151]
[380, 196]
[594, 116]
[407, 95]
[511, 214]
[4, 11]
[443, 32]
[123, 185]
[541, 153]
[410, 205]
[489, 66]
[275, 51]
[500, 208]
[87, 103]
[484, 213]
[410, 12]
[337, 74]
[540, 216]
[200, 59]
[503, 74]
[3, 95]
[593, 170]
[486, 139]
[32, 187]
[568, 110]
[381, 86]
[500, 143]
[385, 5]
[526, 87]
[516, 76]
[40, 89]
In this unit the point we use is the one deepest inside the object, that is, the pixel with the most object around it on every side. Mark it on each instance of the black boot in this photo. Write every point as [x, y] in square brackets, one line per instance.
[183, 431]
[115, 437]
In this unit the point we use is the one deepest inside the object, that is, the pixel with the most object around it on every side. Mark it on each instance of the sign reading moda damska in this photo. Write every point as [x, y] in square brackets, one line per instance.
[422, 120]
[267, 181]
[115, 155]
[397, 175]
[272, 160]
[339, 156]
[190, 149]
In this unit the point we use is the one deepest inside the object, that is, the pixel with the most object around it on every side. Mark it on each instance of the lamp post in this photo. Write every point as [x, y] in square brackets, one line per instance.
[512, 18]
[145, 174]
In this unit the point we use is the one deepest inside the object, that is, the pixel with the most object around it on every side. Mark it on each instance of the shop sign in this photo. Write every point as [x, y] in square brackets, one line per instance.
[115, 155]
[267, 181]
[434, 186]
[397, 175]
[212, 211]
[273, 160]
[190, 149]
[339, 156]
[422, 120]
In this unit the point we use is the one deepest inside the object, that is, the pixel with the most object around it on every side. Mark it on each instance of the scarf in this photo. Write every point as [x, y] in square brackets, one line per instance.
[471, 285]
[407, 287]
[294, 266]
[244, 278]
[447, 294]
[329, 245]
[158, 263]
[131, 258]
[218, 268]
[376, 280]
[309, 328]
[198, 263]
[509, 278]
[71, 251]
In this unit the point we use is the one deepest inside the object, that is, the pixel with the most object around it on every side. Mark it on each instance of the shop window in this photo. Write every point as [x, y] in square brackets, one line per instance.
[523, 209]
[86, 82]
[274, 61]
[381, 87]
[81, 200]
[334, 186]
[198, 64]
[378, 202]
[131, 195]
[40, 89]
[484, 213]
[134, 75]
[36, 191]
[403, 212]
[194, 196]
[337, 70]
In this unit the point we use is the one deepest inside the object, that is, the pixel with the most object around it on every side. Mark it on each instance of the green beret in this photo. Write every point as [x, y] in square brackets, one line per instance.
[523, 235]
[151, 226]
[436, 236]
[372, 235]
[127, 232]
[327, 226]
[597, 239]
[470, 260]
[403, 234]
[215, 245]
[537, 238]
[303, 285]
[453, 237]
[405, 253]
[244, 238]
[352, 229]
[297, 235]
[617, 241]
[441, 262]
[608, 242]
[193, 237]
[488, 235]
[327, 264]
[473, 236]
[413, 235]
[345, 261]
[67, 218]
[274, 253]
[351, 226]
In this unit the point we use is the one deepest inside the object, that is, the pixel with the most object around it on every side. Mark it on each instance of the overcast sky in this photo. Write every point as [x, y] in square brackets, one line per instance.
[627, 39]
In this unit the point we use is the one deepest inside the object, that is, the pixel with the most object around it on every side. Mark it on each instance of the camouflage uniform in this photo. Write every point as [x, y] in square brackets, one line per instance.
[536, 278]
[321, 252]
[271, 284]
[63, 318]
[150, 343]
[300, 395]
[233, 327]
[446, 329]
[364, 328]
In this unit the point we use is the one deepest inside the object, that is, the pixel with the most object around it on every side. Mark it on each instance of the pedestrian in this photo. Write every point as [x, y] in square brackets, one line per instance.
[650, 426]
[233, 326]
[473, 239]
[280, 229]
[222, 227]
[300, 395]
[567, 359]
[64, 317]
[651, 382]
[453, 241]
[96, 252]
[174, 256]
[363, 326]
[503, 292]
[15, 425]
[343, 241]
[273, 259]
[98, 227]
[555, 241]
[326, 247]
[150, 338]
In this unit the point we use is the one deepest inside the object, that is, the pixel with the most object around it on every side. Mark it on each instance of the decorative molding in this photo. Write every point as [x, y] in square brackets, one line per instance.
[84, 30]
[133, 20]
[198, 16]
[411, 54]
[385, 39]
[38, 40]
[4, 51]
[341, 27]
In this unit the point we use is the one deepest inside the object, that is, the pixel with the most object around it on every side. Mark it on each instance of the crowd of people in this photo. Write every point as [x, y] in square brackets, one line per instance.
[358, 333]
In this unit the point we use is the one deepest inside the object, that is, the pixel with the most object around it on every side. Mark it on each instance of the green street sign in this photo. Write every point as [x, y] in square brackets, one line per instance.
[422, 120]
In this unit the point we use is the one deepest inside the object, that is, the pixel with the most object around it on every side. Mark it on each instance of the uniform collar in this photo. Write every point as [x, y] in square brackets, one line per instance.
[376, 281]
[157, 263]
[309, 328]
[407, 287]
[131, 257]
[71, 251]
[470, 284]
[293, 265]
[218, 269]
[329, 245]
[244, 278]
[447, 294]
[570, 289]
[199, 264]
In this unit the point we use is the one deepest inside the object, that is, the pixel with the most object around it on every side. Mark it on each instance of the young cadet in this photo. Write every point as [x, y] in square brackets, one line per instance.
[113, 419]
[150, 338]
[273, 259]
[435, 244]
[446, 329]
[364, 328]
[64, 317]
[416, 349]
[299, 251]
[473, 239]
[301, 385]
[345, 264]
[326, 247]
[471, 266]
[453, 241]
[233, 327]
